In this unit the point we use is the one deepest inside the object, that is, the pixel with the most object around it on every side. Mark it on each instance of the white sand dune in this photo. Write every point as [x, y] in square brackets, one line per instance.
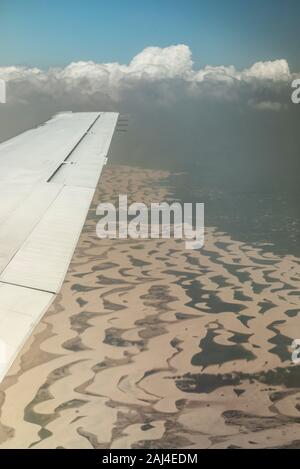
[150, 345]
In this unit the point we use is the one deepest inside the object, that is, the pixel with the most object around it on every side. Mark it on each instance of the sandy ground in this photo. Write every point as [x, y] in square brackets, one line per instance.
[153, 346]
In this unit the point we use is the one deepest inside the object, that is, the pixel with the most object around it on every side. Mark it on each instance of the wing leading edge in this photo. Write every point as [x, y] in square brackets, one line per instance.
[48, 177]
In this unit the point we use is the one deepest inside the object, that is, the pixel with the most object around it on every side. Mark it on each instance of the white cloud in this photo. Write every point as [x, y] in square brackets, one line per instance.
[167, 70]
[160, 63]
[277, 70]
[220, 73]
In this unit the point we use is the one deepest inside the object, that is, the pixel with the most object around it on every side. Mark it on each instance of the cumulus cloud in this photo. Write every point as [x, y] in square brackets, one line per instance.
[160, 63]
[277, 70]
[155, 73]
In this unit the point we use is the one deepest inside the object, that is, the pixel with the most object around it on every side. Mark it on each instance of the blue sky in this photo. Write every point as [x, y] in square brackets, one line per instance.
[47, 33]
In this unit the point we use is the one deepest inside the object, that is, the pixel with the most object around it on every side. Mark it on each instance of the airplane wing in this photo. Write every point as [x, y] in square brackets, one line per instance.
[48, 177]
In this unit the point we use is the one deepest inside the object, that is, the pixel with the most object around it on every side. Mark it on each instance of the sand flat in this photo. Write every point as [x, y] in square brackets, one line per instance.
[150, 345]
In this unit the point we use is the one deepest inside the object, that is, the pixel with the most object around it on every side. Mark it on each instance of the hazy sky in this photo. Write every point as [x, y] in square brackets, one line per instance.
[47, 33]
[230, 126]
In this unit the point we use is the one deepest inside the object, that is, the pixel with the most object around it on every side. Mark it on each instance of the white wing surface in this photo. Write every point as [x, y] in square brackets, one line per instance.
[48, 176]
